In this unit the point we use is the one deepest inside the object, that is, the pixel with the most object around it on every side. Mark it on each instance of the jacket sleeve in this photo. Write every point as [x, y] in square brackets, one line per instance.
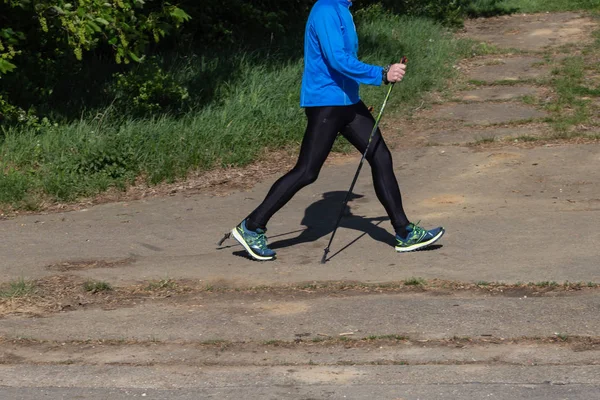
[329, 32]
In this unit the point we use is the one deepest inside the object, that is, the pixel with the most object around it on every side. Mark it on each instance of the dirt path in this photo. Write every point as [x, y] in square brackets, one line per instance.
[133, 299]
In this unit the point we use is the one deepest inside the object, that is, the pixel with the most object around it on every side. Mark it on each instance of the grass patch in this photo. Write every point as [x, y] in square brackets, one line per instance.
[485, 140]
[527, 138]
[162, 284]
[253, 107]
[570, 108]
[97, 286]
[476, 82]
[529, 100]
[17, 288]
[534, 6]
[415, 282]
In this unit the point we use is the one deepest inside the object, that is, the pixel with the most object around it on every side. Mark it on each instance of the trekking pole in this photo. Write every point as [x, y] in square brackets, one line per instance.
[345, 203]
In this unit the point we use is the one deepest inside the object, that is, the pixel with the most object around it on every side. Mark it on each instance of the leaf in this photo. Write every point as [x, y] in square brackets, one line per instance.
[6, 66]
[179, 14]
[102, 21]
[95, 27]
[134, 57]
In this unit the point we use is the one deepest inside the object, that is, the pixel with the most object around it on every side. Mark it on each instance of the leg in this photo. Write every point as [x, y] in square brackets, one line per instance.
[323, 125]
[379, 157]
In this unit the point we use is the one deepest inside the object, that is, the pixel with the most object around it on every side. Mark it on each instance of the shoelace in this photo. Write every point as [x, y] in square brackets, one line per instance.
[261, 240]
[417, 231]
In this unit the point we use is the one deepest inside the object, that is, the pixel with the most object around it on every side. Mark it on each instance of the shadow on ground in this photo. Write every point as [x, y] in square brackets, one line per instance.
[321, 216]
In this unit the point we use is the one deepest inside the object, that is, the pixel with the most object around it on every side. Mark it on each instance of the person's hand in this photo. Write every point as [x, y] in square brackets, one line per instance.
[396, 72]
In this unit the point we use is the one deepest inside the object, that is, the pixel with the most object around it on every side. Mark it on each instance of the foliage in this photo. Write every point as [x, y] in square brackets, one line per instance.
[82, 25]
[46, 37]
[253, 106]
[148, 89]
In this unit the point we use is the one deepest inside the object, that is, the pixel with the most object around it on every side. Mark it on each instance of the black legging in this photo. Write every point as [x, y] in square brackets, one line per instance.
[355, 122]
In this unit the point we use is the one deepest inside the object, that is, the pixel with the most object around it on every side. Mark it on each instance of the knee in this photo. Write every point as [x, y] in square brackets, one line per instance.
[309, 177]
[382, 158]
[304, 176]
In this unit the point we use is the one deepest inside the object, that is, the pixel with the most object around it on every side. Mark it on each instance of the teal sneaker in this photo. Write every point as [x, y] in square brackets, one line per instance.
[418, 238]
[255, 242]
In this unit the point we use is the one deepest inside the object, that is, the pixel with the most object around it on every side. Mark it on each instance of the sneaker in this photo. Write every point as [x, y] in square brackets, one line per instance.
[255, 242]
[418, 238]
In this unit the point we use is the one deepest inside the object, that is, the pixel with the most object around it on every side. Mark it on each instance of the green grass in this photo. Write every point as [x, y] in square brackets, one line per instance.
[569, 109]
[499, 7]
[17, 288]
[97, 286]
[530, 100]
[533, 6]
[415, 282]
[232, 124]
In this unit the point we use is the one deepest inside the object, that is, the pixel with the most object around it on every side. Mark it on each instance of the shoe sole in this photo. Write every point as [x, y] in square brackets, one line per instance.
[252, 254]
[422, 244]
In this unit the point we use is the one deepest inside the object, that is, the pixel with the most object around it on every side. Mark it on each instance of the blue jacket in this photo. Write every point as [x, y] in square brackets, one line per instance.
[332, 71]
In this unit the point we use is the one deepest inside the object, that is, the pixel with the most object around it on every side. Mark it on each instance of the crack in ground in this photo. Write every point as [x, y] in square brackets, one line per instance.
[64, 293]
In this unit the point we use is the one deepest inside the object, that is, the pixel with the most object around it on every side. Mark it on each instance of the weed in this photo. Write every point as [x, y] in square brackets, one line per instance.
[17, 288]
[544, 284]
[477, 82]
[393, 337]
[415, 282]
[530, 100]
[162, 284]
[527, 138]
[485, 140]
[97, 286]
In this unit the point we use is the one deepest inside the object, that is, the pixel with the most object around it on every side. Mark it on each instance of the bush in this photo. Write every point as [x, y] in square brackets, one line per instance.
[13, 187]
[148, 89]
[45, 39]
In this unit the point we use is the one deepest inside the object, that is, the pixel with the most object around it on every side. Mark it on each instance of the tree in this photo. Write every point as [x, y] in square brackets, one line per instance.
[37, 34]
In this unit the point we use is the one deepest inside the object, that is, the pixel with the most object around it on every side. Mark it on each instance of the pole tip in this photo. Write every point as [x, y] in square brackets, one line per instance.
[227, 236]
[324, 258]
